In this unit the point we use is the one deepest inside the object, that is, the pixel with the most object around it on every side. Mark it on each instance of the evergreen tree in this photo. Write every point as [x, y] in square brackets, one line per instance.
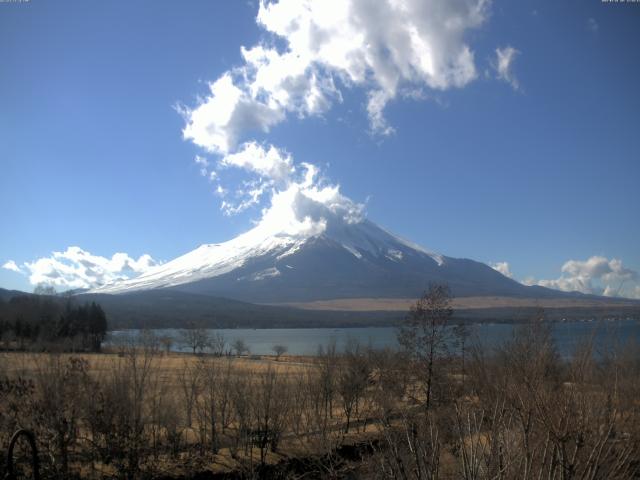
[97, 327]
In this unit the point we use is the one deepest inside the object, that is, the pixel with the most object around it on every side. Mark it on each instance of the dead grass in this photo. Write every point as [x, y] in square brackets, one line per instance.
[460, 303]
[20, 363]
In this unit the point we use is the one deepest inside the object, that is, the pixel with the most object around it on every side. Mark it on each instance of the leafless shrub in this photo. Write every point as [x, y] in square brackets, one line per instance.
[189, 381]
[116, 411]
[352, 381]
[217, 344]
[545, 417]
[410, 447]
[55, 410]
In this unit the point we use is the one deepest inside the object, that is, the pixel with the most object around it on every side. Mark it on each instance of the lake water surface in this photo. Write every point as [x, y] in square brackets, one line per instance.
[305, 341]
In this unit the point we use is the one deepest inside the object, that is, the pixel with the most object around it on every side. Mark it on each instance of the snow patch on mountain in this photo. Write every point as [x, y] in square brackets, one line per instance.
[263, 274]
[352, 251]
[393, 254]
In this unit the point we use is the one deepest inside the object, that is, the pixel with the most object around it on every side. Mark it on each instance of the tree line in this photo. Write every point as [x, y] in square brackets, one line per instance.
[48, 321]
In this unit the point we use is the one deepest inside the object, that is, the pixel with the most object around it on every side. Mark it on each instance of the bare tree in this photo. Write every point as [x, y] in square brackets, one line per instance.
[269, 411]
[148, 341]
[57, 413]
[167, 342]
[279, 350]
[117, 411]
[322, 390]
[240, 347]
[208, 401]
[217, 344]
[189, 380]
[461, 333]
[353, 376]
[241, 401]
[425, 335]
[44, 289]
[196, 338]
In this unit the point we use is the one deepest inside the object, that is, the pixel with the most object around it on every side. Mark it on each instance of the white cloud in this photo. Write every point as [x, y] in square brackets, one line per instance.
[249, 195]
[298, 194]
[375, 108]
[380, 46]
[597, 275]
[11, 265]
[503, 268]
[503, 65]
[77, 268]
[271, 163]
[220, 190]
[307, 205]
[272, 166]
[599, 267]
[218, 121]
[203, 164]
[592, 25]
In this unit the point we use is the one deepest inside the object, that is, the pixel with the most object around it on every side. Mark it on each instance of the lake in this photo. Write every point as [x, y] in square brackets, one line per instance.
[305, 341]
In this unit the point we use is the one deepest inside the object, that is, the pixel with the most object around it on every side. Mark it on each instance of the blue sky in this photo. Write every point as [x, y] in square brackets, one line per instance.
[536, 164]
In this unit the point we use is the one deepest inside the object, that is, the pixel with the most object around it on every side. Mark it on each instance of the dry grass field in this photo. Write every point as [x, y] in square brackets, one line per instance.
[459, 303]
[169, 365]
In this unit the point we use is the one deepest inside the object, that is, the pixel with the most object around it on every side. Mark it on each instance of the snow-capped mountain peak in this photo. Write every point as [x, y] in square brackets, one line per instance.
[361, 239]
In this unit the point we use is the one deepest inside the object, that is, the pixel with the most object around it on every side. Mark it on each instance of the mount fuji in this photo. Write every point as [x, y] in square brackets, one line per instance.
[327, 258]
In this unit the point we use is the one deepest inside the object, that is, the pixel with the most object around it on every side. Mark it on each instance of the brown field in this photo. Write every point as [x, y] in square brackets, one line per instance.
[460, 303]
[168, 365]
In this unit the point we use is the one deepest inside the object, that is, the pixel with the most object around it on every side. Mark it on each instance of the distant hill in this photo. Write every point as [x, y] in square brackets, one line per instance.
[174, 309]
[8, 294]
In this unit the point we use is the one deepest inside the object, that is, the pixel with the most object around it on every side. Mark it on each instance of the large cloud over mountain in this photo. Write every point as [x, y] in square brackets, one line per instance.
[380, 46]
[301, 199]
